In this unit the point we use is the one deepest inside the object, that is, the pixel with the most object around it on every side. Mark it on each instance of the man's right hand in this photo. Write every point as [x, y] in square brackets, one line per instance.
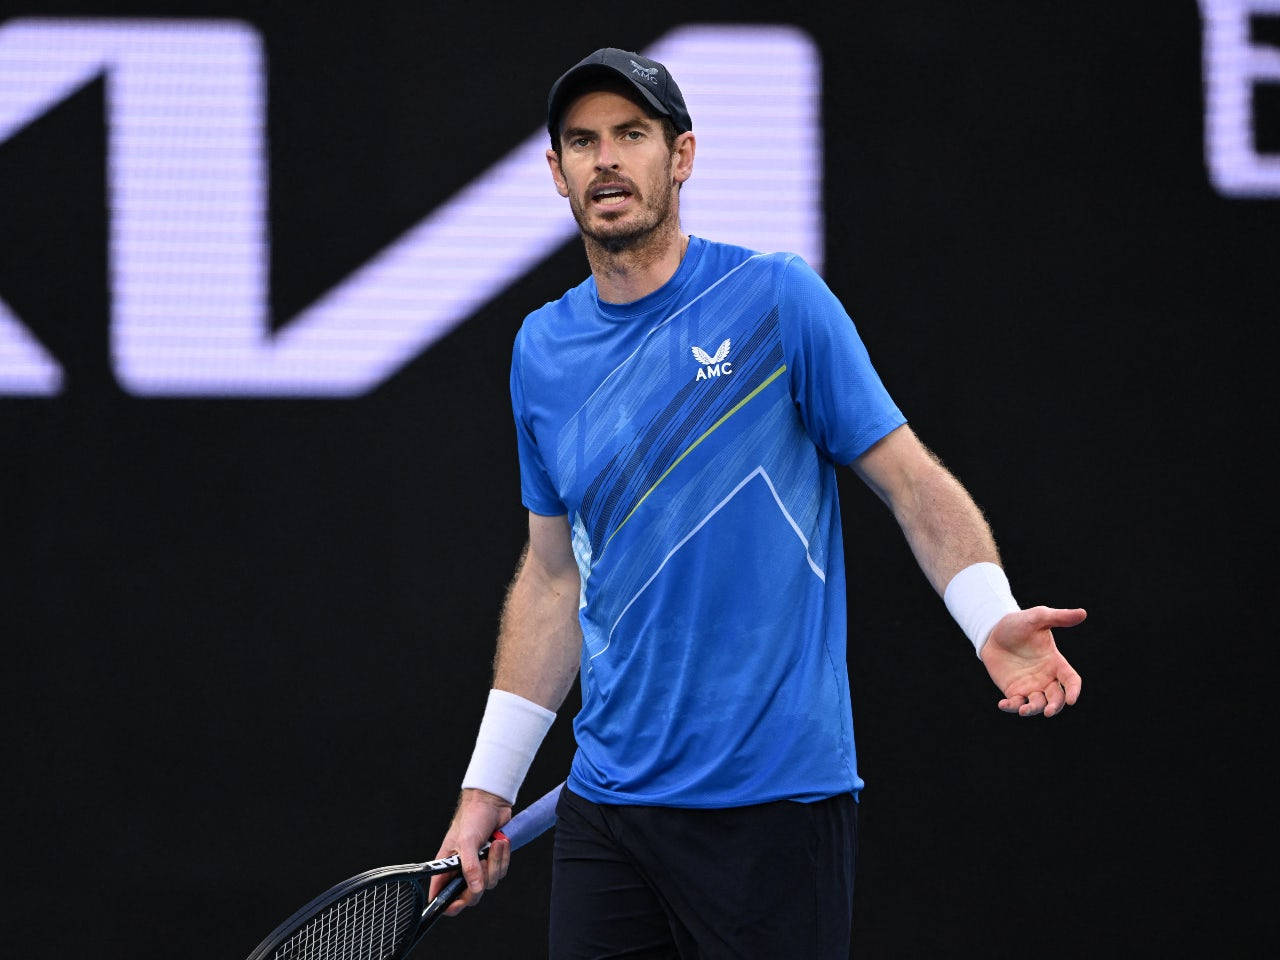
[479, 814]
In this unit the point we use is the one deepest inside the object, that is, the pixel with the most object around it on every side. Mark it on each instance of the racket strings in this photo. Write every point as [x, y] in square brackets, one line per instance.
[370, 924]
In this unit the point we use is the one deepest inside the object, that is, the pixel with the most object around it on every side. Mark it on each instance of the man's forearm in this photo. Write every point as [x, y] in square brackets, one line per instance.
[538, 645]
[945, 529]
[539, 638]
[943, 526]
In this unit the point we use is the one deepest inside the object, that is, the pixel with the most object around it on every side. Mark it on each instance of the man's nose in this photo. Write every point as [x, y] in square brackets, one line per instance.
[605, 157]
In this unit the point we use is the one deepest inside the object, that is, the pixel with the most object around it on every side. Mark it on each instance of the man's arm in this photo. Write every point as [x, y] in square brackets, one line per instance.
[947, 534]
[539, 641]
[539, 638]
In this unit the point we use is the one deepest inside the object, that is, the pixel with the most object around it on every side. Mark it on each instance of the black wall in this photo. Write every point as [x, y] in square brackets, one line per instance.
[248, 640]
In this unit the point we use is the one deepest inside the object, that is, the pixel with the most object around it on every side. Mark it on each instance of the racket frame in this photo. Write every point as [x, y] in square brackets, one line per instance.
[519, 830]
[419, 874]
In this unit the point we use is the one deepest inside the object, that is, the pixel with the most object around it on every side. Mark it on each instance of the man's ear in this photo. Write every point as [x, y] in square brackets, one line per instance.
[682, 156]
[557, 174]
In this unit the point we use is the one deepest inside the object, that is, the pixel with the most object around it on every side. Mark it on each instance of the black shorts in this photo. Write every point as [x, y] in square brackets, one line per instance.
[769, 881]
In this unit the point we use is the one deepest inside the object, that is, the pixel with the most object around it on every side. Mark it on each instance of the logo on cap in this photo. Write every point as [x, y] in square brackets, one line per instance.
[644, 73]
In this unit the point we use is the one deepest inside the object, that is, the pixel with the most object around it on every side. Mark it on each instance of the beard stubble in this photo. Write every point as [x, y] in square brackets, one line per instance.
[638, 234]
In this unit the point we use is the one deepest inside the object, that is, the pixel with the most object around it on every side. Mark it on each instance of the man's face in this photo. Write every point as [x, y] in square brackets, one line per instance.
[615, 168]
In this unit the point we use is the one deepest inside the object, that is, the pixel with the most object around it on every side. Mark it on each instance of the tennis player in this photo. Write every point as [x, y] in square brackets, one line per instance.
[679, 417]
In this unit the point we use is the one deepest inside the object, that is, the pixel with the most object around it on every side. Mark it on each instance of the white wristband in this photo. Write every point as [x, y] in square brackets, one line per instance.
[978, 597]
[510, 734]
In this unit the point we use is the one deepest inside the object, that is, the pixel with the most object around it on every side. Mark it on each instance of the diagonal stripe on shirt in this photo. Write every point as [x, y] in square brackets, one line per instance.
[689, 449]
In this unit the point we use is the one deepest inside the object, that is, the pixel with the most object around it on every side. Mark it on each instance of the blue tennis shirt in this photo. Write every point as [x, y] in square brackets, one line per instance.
[691, 438]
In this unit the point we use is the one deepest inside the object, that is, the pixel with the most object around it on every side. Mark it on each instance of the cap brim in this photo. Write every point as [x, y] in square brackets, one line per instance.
[570, 85]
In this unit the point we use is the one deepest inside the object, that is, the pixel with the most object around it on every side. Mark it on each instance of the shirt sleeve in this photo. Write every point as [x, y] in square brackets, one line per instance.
[842, 402]
[537, 492]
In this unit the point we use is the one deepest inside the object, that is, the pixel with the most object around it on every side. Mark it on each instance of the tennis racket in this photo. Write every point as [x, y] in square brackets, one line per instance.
[382, 914]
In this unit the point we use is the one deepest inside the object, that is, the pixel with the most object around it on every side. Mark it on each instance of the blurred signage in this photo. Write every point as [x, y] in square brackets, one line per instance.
[187, 195]
[1234, 64]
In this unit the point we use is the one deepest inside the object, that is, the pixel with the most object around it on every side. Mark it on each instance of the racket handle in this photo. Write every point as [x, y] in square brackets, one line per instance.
[533, 821]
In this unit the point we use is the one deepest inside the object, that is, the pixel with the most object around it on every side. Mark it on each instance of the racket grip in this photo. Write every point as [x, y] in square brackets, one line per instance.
[533, 821]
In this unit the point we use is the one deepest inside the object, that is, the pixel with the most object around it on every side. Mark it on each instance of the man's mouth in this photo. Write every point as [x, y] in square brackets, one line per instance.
[609, 195]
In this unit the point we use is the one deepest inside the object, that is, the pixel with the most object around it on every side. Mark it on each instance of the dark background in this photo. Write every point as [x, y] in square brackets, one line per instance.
[248, 641]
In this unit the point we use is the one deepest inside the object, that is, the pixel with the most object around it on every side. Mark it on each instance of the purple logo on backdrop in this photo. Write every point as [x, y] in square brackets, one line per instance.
[1232, 67]
[187, 189]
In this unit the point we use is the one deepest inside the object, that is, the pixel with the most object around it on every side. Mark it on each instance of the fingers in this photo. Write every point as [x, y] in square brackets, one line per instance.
[473, 872]
[479, 875]
[1055, 700]
[1055, 617]
[437, 883]
[1063, 691]
[1012, 704]
[1050, 701]
[478, 815]
[1072, 684]
[499, 861]
[440, 881]
[1035, 704]
[464, 899]
[1025, 663]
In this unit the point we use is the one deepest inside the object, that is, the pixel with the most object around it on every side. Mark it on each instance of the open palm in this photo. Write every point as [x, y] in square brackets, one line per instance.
[1024, 662]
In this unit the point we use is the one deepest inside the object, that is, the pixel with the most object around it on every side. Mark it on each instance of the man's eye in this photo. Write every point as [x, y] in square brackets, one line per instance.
[633, 134]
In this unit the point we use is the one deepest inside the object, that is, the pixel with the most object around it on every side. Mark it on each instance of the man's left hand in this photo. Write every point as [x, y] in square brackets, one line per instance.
[1025, 664]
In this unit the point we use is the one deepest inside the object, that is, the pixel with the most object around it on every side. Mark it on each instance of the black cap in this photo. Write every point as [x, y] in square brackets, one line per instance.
[651, 79]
